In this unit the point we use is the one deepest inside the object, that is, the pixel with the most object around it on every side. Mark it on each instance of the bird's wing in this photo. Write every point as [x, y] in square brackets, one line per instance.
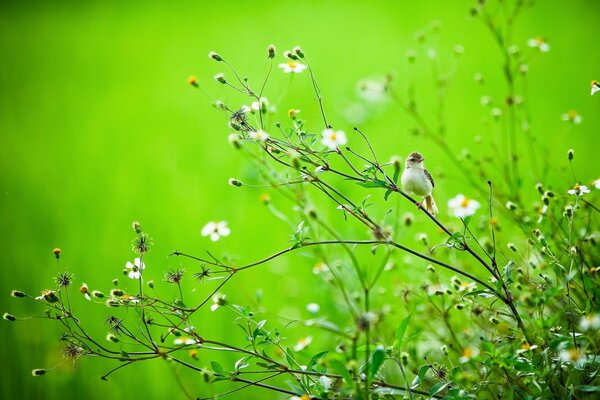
[428, 175]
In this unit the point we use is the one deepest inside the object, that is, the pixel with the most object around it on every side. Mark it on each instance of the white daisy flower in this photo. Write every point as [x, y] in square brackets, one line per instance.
[373, 90]
[539, 43]
[313, 308]
[579, 190]
[216, 230]
[332, 139]
[571, 116]
[591, 321]
[571, 355]
[595, 87]
[184, 340]
[461, 206]
[320, 268]
[325, 382]
[467, 354]
[293, 67]
[135, 268]
[259, 135]
[218, 301]
[525, 348]
[596, 183]
[303, 343]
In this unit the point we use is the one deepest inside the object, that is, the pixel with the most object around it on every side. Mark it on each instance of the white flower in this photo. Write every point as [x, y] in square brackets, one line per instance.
[326, 382]
[303, 343]
[525, 348]
[539, 43]
[313, 308]
[320, 268]
[461, 206]
[184, 340]
[259, 135]
[258, 105]
[579, 190]
[135, 268]
[215, 230]
[591, 321]
[332, 139]
[596, 183]
[467, 354]
[466, 287]
[373, 90]
[571, 355]
[571, 116]
[291, 66]
[437, 290]
[595, 87]
[245, 109]
[85, 291]
[218, 301]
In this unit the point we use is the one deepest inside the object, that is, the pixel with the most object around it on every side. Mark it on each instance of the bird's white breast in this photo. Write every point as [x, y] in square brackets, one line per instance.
[415, 181]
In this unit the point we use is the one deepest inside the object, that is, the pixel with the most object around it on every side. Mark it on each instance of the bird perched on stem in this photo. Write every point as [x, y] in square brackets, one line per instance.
[418, 181]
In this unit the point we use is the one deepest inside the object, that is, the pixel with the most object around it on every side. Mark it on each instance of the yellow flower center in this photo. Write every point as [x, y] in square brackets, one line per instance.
[465, 202]
[572, 114]
[292, 64]
[333, 136]
[573, 354]
[468, 352]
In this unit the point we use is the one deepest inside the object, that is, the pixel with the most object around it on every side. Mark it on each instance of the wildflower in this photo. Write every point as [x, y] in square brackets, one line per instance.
[332, 139]
[215, 230]
[325, 382]
[571, 116]
[437, 290]
[259, 135]
[218, 301]
[38, 372]
[48, 295]
[137, 227]
[596, 183]
[98, 294]
[85, 291]
[234, 182]
[184, 340]
[72, 351]
[373, 90]
[466, 287]
[595, 87]
[525, 348]
[112, 338]
[579, 190]
[292, 66]
[17, 293]
[271, 51]
[220, 77]
[320, 268]
[303, 343]
[461, 206]
[215, 56]
[135, 268]
[293, 112]
[175, 276]
[313, 308]
[571, 355]
[9, 317]
[193, 81]
[56, 252]
[591, 321]
[64, 279]
[539, 43]
[467, 354]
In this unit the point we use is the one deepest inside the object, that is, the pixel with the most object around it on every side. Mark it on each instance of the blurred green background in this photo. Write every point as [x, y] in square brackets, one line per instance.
[99, 128]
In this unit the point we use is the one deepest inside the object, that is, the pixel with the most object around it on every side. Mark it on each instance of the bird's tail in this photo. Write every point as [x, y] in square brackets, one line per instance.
[430, 205]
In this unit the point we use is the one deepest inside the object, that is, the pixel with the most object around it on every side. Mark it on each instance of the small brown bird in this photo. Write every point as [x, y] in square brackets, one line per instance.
[418, 181]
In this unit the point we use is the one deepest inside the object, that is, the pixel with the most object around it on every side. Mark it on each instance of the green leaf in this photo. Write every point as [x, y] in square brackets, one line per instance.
[588, 388]
[402, 328]
[396, 175]
[376, 183]
[377, 360]
[289, 355]
[419, 378]
[315, 359]
[438, 387]
[340, 368]
[387, 194]
[218, 368]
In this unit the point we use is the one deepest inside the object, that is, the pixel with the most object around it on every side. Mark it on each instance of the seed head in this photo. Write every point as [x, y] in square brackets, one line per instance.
[175, 276]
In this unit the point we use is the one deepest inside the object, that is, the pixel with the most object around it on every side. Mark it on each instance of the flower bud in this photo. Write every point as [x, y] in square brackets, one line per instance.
[112, 338]
[271, 51]
[115, 282]
[411, 56]
[192, 81]
[117, 293]
[38, 372]
[290, 55]
[220, 77]
[97, 294]
[56, 252]
[112, 303]
[408, 218]
[570, 154]
[219, 105]
[545, 200]
[494, 320]
[235, 182]
[298, 51]
[137, 227]
[292, 113]
[9, 317]
[459, 306]
[539, 187]
[512, 247]
[404, 358]
[235, 140]
[17, 293]
[265, 198]
[511, 206]
[444, 349]
[151, 284]
[214, 56]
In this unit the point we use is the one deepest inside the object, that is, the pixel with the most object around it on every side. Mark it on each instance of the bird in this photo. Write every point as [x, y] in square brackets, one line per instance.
[418, 181]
